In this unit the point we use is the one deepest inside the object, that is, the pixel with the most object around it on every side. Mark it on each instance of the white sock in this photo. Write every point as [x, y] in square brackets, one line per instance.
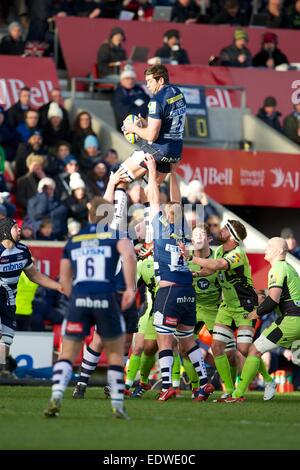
[149, 227]
[196, 359]
[166, 363]
[89, 363]
[120, 203]
[115, 380]
[62, 373]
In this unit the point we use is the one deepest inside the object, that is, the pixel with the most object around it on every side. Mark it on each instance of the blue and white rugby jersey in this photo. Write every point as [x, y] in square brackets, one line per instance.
[12, 263]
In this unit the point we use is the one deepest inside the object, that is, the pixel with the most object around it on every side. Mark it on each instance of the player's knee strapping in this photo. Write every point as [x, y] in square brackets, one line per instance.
[244, 336]
[128, 175]
[222, 334]
[7, 335]
[184, 333]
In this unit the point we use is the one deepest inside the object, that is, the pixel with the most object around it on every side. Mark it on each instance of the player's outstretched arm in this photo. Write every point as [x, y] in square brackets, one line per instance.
[42, 280]
[127, 252]
[114, 179]
[175, 194]
[153, 191]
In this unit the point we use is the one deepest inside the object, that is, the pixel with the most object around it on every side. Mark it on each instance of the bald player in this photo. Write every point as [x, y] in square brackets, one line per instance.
[284, 295]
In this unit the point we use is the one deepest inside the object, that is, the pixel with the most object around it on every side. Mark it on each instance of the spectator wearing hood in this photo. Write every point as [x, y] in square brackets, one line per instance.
[111, 54]
[171, 50]
[44, 205]
[237, 54]
[269, 115]
[270, 55]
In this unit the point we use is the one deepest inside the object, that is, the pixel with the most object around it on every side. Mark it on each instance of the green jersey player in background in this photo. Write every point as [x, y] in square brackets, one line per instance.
[284, 294]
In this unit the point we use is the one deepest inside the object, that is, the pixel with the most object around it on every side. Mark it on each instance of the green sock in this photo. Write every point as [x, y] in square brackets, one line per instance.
[147, 362]
[233, 370]
[191, 373]
[223, 367]
[133, 367]
[176, 370]
[263, 371]
[249, 371]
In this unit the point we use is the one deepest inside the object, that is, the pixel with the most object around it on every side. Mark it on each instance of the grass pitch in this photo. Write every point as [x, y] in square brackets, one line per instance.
[176, 424]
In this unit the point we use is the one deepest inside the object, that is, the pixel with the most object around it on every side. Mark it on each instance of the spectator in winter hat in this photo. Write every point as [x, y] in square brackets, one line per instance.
[237, 54]
[269, 114]
[54, 131]
[77, 202]
[269, 55]
[91, 152]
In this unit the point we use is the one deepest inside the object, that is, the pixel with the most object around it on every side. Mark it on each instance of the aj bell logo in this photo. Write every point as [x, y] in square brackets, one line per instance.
[208, 175]
[286, 179]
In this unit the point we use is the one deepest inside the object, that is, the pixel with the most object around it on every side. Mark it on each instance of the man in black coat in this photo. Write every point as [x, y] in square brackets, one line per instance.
[16, 113]
[269, 55]
[129, 98]
[171, 49]
[269, 115]
[237, 54]
[13, 43]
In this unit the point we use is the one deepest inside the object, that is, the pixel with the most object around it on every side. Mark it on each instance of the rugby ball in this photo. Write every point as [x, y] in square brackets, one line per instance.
[131, 138]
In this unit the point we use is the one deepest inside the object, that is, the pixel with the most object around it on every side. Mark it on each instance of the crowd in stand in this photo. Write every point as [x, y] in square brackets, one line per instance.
[273, 13]
[31, 21]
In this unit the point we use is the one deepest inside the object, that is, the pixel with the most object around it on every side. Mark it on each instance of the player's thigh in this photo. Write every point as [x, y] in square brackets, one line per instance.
[108, 318]
[80, 318]
[207, 316]
[281, 333]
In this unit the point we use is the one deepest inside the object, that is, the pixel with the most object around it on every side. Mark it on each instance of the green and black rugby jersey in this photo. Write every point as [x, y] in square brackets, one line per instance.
[236, 282]
[207, 288]
[283, 275]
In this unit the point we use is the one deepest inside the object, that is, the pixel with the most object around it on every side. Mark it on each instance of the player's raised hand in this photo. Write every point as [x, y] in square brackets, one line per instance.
[183, 249]
[116, 177]
[128, 127]
[150, 163]
[128, 298]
